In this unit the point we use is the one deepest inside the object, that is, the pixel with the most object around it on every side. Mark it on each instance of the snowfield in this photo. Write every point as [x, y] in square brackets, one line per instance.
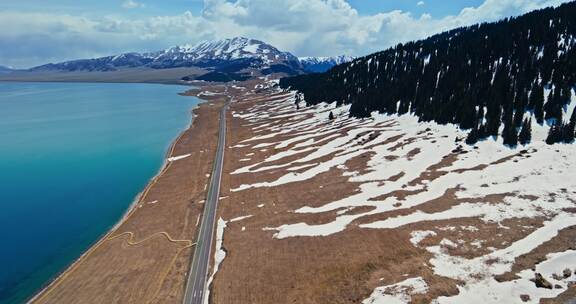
[410, 164]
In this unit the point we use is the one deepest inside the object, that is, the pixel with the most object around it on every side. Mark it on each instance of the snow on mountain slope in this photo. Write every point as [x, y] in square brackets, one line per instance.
[224, 50]
[229, 54]
[230, 49]
[205, 54]
[323, 64]
[332, 60]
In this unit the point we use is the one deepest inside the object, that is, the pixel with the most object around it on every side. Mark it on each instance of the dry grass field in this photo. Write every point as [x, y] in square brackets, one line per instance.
[296, 222]
[146, 257]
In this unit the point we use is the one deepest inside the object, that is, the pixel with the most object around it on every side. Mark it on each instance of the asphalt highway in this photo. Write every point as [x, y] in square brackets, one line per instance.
[198, 275]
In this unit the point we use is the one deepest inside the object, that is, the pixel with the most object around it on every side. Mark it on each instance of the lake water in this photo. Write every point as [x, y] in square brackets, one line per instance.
[72, 159]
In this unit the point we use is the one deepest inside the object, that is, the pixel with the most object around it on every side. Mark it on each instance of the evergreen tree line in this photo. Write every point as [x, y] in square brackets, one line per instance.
[490, 78]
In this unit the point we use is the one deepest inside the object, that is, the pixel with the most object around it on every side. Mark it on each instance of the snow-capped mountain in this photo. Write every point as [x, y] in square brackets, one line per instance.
[222, 60]
[224, 50]
[322, 64]
[210, 54]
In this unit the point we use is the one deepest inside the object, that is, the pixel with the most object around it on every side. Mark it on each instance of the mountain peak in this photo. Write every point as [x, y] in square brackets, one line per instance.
[235, 41]
[228, 49]
[232, 52]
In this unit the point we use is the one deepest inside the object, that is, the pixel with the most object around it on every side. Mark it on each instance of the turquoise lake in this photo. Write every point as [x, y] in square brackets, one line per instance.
[72, 159]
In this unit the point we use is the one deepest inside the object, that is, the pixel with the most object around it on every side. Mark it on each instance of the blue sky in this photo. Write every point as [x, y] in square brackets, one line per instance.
[437, 8]
[35, 32]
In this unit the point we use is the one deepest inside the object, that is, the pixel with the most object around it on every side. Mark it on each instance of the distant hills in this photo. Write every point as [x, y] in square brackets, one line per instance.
[5, 69]
[322, 64]
[495, 79]
[237, 58]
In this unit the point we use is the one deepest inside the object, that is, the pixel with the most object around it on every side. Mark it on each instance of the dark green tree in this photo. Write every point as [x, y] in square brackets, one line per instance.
[554, 133]
[472, 137]
[520, 106]
[510, 136]
[537, 103]
[478, 77]
[571, 129]
[553, 107]
[526, 132]
[568, 129]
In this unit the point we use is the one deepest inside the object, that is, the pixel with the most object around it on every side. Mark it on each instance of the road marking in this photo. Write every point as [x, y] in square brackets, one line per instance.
[196, 283]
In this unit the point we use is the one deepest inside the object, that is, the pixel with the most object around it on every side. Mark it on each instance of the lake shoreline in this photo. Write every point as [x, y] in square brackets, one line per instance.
[195, 112]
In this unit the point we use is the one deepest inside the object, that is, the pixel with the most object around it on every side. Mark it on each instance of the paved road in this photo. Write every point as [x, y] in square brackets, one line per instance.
[197, 277]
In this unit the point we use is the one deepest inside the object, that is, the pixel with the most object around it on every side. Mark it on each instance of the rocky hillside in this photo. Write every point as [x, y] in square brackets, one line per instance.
[492, 79]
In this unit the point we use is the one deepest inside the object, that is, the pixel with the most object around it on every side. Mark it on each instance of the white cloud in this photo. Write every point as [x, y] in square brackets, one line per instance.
[304, 27]
[131, 4]
[420, 3]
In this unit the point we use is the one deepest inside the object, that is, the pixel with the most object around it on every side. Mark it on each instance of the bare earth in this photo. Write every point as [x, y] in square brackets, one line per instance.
[302, 228]
[382, 210]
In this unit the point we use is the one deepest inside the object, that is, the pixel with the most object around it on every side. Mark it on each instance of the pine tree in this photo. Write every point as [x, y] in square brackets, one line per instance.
[476, 77]
[550, 139]
[526, 132]
[472, 137]
[565, 95]
[538, 103]
[568, 129]
[532, 97]
[553, 106]
[493, 121]
[331, 116]
[518, 115]
[554, 133]
[520, 108]
[567, 133]
[510, 136]
[571, 128]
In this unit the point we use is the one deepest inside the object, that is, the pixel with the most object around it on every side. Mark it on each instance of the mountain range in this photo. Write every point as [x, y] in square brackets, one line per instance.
[322, 64]
[5, 69]
[223, 60]
[495, 79]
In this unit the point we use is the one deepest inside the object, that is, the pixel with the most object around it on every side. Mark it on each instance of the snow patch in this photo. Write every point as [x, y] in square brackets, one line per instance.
[175, 158]
[399, 293]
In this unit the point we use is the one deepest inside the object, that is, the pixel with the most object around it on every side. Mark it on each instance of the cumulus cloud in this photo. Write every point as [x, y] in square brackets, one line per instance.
[420, 3]
[303, 27]
[131, 4]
